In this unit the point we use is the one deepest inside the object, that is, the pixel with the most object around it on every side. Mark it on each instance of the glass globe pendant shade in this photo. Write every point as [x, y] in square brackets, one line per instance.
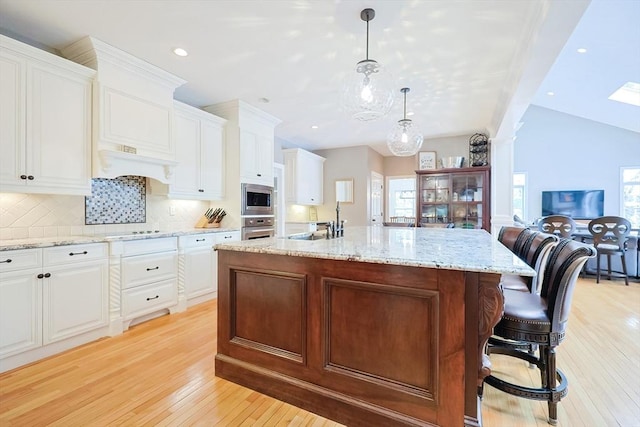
[367, 93]
[405, 139]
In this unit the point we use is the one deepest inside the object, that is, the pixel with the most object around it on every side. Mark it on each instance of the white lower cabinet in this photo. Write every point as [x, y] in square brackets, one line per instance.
[146, 277]
[198, 279]
[51, 299]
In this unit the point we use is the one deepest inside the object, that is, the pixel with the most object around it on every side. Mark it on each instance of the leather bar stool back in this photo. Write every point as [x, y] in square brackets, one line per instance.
[541, 320]
[557, 224]
[610, 234]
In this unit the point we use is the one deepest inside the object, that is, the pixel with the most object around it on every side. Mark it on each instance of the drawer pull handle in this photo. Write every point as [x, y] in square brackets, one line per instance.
[259, 174]
[156, 297]
[228, 237]
[200, 240]
[154, 268]
[78, 253]
[8, 260]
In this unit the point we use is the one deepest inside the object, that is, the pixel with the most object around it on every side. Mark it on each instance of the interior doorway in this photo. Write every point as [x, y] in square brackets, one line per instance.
[376, 212]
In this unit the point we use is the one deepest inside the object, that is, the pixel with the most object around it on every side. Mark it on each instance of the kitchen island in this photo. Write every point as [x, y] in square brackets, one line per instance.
[384, 326]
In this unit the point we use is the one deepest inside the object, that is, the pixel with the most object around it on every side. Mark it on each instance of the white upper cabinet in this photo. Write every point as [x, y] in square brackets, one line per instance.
[303, 176]
[45, 122]
[198, 137]
[249, 142]
[133, 107]
[256, 157]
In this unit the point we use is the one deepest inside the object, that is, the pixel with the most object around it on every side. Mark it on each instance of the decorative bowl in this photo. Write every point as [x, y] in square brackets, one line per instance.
[452, 162]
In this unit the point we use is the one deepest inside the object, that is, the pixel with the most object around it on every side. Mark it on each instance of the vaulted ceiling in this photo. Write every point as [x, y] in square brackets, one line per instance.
[472, 66]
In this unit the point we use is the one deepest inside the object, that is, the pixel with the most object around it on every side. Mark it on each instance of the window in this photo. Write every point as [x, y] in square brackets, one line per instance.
[402, 196]
[519, 194]
[630, 197]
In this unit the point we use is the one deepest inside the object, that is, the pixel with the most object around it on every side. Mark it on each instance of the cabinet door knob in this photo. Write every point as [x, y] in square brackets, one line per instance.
[156, 297]
[8, 260]
[259, 174]
[23, 176]
[40, 276]
[47, 274]
[201, 190]
[30, 177]
[154, 268]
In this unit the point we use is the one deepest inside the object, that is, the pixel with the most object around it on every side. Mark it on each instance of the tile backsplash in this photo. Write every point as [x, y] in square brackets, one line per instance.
[45, 215]
[117, 201]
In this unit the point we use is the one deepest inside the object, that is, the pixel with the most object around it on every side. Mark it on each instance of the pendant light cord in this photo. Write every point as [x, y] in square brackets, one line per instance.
[405, 105]
[368, 36]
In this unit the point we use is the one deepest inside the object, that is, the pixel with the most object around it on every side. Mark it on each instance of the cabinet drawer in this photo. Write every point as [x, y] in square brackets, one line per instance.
[142, 269]
[20, 259]
[147, 246]
[75, 253]
[148, 298]
[229, 236]
[197, 241]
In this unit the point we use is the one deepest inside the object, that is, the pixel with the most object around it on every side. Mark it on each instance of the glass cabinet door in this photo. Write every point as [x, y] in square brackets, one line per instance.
[466, 200]
[434, 199]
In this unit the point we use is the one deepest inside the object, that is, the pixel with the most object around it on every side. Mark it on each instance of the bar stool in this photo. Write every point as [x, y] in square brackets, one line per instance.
[541, 320]
[610, 234]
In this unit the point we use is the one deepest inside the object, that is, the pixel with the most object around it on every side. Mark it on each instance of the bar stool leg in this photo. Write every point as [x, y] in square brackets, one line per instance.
[551, 381]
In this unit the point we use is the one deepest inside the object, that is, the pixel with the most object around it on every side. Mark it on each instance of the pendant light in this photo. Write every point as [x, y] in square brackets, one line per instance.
[405, 138]
[368, 92]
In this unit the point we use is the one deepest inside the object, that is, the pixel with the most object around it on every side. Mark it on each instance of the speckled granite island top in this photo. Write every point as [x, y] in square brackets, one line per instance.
[453, 249]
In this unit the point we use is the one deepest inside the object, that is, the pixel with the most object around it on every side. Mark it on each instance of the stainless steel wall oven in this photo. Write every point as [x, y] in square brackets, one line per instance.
[258, 227]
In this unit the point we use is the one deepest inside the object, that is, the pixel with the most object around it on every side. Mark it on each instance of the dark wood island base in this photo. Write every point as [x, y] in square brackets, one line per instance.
[363, 344]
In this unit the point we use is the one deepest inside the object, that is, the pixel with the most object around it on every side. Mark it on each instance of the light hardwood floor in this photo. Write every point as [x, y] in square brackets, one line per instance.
[160, 373]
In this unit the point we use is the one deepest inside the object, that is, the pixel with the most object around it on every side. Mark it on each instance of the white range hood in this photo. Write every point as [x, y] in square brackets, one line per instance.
[132, 112]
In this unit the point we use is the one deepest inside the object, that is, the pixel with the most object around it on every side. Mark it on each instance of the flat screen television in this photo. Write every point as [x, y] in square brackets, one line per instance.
[578, 204]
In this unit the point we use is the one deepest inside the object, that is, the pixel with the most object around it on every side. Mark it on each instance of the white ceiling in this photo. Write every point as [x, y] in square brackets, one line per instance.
[472, 66]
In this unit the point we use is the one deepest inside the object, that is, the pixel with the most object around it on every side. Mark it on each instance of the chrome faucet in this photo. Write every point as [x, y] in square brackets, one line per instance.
[335, 229]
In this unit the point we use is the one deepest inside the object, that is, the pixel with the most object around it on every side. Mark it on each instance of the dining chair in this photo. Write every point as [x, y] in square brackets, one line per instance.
[558, 224]
[610, 234]
[540, 320]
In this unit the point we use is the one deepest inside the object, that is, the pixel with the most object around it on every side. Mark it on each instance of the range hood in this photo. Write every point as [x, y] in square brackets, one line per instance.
[132, 112]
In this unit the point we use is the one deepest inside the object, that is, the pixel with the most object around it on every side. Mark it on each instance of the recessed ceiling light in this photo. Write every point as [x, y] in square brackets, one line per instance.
[582, 50]
[550, 93]
[629, 93]
[180, 51]
[314, 127]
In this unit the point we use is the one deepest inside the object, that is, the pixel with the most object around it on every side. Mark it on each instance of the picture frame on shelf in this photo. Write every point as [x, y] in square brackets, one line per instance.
[426, 160]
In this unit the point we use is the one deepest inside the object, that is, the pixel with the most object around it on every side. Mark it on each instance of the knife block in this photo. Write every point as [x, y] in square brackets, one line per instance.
[202, 222]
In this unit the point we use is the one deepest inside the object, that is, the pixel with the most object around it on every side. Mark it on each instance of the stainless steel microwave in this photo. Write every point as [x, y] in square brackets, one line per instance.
[257, 199]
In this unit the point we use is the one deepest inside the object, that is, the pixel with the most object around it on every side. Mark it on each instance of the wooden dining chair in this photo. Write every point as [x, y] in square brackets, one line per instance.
[558, 224]
[610, 234]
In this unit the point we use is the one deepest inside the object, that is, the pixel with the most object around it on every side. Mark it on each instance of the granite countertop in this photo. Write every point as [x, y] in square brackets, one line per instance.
[453, 249]
[43, 242]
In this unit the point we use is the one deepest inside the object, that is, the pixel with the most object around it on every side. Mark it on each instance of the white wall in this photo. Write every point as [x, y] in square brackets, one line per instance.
[558, 151]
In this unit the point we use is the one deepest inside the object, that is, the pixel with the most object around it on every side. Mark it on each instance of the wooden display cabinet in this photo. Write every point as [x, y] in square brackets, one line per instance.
[460, 196]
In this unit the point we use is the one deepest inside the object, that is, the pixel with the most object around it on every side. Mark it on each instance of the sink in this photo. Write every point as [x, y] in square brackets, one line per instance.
[306, 236]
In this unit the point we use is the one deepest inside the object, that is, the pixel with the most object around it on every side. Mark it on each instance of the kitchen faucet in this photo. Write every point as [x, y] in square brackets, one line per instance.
[335, 229]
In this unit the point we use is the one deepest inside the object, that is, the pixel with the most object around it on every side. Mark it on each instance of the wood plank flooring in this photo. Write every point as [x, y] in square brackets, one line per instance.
[160, 373]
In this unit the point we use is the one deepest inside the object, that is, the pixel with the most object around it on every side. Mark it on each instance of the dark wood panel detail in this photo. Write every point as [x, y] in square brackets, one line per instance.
[491, 299]
[403, 352]
[320, 400]
[268, 312]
